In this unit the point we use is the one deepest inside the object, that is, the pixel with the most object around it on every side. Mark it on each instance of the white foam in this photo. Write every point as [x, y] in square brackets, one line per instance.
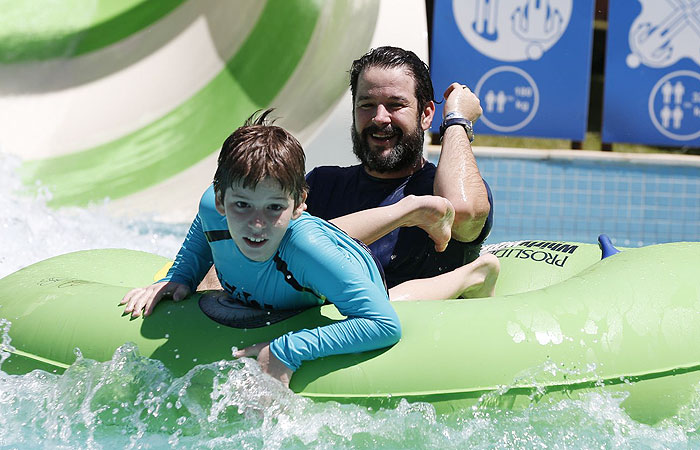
[30, 231]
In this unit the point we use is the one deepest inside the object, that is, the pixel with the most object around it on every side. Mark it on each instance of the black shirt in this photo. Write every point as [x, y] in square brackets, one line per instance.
[405, 253]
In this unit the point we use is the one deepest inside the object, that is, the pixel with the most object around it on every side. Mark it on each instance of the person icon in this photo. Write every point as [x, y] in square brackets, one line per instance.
[665, 116]
[666, 92]
[677, 117]
[490, 99]
[678, 91]
[501, 100]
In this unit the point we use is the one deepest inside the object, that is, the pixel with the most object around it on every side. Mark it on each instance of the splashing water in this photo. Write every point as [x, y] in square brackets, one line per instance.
[31, 231]
[134, 402]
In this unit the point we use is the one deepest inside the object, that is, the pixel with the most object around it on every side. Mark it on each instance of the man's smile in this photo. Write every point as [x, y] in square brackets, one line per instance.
[384, 135]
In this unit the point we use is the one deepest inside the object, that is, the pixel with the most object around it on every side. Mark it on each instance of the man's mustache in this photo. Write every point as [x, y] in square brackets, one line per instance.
[371, 129]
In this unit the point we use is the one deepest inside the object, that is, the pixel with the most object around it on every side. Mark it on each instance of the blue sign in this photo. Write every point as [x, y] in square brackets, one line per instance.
[652, 73]
[528, 61]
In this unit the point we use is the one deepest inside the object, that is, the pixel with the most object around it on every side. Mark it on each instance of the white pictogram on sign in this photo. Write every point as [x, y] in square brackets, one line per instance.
[512, 30]
[664, 32]
[674, 105]
[510, 98]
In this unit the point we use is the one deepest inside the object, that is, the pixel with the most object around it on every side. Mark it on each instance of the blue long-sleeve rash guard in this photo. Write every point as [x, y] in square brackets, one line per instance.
[314, 262]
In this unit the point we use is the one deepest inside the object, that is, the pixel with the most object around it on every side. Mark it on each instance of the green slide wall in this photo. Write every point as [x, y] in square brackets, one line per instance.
[110, 99]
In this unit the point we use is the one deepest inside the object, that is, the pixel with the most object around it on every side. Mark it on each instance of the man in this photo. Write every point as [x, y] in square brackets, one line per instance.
[393, 105]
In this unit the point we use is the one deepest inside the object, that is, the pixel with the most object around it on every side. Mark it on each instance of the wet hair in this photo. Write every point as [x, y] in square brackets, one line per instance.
[259, 150]
[390, 57]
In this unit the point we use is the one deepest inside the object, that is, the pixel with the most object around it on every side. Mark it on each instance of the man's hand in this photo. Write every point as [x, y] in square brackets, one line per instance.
[146, 298]
[460, 99]
[268, 362]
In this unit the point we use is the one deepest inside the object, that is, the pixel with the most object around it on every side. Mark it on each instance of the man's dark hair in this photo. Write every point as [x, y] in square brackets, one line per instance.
[390, 57]
[260, 150]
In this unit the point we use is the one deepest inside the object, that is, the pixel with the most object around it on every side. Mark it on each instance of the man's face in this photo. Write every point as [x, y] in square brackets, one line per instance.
[388, 126]
[258, 218]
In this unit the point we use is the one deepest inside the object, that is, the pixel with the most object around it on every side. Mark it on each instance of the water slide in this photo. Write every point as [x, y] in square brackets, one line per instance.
[130, 100]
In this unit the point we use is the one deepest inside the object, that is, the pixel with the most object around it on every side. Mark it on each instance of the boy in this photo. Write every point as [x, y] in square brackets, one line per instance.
[265, 248]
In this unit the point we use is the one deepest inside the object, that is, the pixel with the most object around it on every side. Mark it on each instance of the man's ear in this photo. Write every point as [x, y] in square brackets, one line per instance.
[219, 202]
[301, 207]
[427, 115]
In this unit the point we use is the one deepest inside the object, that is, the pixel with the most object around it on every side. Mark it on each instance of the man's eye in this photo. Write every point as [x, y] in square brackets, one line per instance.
[365, 105]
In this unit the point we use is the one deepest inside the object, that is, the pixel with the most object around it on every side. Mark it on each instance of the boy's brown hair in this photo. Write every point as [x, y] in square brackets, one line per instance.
[260, 150]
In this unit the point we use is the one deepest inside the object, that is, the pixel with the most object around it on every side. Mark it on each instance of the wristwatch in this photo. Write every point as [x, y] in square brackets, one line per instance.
[454, 119]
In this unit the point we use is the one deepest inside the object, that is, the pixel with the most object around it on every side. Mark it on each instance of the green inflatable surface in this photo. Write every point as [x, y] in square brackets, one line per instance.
[563, 322]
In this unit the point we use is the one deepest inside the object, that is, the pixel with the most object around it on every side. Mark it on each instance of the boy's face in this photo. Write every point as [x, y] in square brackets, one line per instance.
[258, 218]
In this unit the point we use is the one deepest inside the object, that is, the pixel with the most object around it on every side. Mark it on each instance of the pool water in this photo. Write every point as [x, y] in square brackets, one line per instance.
[133, 402]
[575, 196]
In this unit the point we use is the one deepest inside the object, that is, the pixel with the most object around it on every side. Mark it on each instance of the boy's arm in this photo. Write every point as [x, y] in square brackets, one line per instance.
[371, 321]
[431, 213]
[190, 266]
[268, 362]
[194, 259]
[373, 326]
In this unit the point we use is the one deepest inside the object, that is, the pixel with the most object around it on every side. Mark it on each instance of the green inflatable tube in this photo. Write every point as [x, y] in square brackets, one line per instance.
[563, 322]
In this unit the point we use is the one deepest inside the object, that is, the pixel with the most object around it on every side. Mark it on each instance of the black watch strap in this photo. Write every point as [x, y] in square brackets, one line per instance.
[466, 123]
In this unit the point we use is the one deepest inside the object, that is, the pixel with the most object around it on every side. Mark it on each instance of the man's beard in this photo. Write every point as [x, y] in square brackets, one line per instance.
[407, 151]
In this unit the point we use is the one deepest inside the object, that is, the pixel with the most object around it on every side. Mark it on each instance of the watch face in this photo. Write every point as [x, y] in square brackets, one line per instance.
[465, 123]
[470, 131]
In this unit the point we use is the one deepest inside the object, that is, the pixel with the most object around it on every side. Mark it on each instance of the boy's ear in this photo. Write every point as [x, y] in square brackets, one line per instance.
[219, 202]
[300, 208]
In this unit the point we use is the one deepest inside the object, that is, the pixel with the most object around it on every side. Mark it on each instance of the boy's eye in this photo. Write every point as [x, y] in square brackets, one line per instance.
[241, 205]
[276, 207]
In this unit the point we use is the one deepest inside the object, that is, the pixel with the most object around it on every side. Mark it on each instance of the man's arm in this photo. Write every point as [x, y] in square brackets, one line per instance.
[457, 177]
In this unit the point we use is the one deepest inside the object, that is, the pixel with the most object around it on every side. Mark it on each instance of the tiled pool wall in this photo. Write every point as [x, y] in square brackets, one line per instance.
[576, 195]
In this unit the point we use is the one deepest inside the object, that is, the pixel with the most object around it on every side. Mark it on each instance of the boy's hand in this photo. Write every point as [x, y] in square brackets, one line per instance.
[268, 361]
[146, 298]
